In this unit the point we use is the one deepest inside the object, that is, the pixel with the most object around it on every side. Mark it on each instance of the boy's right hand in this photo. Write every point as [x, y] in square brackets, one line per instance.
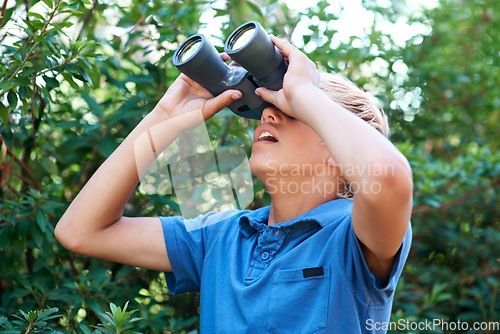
[185, 96]
[300, 76]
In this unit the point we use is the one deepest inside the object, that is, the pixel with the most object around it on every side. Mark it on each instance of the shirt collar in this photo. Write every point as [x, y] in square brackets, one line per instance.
[323, 215]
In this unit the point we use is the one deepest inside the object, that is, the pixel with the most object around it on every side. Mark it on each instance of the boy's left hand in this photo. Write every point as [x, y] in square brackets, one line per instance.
[300, 75]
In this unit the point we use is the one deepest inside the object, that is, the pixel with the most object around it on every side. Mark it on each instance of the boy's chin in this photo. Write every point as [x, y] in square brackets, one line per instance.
[261, 167]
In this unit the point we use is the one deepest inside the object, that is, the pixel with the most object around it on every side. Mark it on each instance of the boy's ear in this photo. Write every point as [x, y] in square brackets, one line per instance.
[331, 163]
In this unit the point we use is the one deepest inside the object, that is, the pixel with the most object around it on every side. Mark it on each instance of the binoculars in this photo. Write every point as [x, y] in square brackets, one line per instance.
[260, 64]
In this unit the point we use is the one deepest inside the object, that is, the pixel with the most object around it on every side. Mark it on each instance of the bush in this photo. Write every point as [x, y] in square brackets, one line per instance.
[76, 76]
[118, 321]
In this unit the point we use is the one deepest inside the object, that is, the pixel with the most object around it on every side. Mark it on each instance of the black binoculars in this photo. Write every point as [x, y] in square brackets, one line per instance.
[260, 64]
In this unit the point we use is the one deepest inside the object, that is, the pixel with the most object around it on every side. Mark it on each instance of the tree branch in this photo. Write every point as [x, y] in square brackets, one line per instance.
[88, 16]
[36, 185]
[444, 206]
[56, 8]
[4, 9]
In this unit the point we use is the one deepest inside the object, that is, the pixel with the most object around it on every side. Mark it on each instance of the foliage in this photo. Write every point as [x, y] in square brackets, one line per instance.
[31, 322]
[117, 321]
[76, 76]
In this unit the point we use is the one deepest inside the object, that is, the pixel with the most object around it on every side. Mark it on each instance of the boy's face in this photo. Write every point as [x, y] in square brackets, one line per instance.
[285, 147]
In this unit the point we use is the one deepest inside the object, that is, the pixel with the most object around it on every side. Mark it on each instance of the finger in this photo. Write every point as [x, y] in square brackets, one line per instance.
[219, 102]
[225, 57]
[189, 81]
[267, 95]
[285, 47]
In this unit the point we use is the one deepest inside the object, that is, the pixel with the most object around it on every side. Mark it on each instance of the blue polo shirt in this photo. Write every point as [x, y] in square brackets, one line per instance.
[306, 275]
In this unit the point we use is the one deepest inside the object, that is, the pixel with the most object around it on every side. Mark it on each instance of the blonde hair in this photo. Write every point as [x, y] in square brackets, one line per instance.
[362, 104]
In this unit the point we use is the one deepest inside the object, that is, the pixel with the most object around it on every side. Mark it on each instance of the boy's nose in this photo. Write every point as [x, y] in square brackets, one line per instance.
[272, 115]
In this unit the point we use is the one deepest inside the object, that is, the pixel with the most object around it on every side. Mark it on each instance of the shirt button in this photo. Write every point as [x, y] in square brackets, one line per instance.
[264, 256]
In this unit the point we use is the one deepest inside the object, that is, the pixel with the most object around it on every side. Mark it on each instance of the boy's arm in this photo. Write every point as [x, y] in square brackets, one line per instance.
[383, 200]
[379, 174]
[93, 224]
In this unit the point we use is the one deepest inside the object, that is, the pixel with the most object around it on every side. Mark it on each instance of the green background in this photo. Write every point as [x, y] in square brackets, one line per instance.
[75, 77]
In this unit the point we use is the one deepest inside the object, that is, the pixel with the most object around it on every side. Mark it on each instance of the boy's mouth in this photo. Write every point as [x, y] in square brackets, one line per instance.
[265, 133]
[266, 136]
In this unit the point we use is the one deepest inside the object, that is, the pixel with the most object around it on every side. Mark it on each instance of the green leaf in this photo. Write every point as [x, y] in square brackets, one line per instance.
[32, 315]
[139, 79]
[95, 108]
[36, 25]
[23, 92]
[83, 62]
[69, 79]
[51, 82]
[109, 318]
[38, 16]
[49, 166]
[19, 323]
[64, 24]
[4, 238]
[113, 308]
[7, 85]
[12, 99]
[48, 314]
[255, 8]
[37, 236]
[70, 68]
[49, 3]
[107, 146]
[24, 316]
[41, 221]
[26, 106]
[8, 15]
[20, 293]
[4, 113]
[85, 76]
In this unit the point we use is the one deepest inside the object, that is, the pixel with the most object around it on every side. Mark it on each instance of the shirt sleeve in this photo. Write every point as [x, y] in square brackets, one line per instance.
[186, 241]
[365, 285]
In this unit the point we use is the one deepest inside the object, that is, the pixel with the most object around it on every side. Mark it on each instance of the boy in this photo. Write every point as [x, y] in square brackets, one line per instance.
[311, 262]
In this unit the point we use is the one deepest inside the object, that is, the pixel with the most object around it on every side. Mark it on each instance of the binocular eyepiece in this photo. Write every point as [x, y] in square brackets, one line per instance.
[260, 64]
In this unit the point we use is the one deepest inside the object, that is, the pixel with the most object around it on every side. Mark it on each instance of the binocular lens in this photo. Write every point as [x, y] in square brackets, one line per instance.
[189, 49]
[242, 37]
[260, 65]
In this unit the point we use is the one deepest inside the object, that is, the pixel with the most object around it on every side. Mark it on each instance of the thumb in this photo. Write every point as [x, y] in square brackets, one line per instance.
[219, 102]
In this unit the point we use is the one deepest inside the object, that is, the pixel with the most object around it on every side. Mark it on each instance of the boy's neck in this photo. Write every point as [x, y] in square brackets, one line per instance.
[286, 206]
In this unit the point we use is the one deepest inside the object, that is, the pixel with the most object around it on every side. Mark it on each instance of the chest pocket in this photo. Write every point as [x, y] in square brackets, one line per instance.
[299, 301]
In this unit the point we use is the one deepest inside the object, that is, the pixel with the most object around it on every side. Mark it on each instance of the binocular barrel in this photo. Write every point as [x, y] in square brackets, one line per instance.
[195, 56]
[259, 65]
[250, 46]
